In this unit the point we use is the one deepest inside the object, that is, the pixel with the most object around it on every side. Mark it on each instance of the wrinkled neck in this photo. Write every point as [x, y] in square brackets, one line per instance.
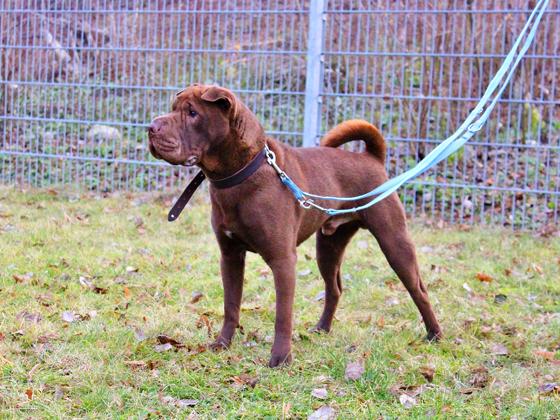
[235, 152]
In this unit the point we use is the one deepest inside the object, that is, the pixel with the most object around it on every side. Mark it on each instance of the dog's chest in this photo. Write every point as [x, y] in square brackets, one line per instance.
[237, 232]
[228, 221]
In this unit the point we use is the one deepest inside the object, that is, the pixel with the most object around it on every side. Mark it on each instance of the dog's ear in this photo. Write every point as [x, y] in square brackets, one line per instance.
[222, 97]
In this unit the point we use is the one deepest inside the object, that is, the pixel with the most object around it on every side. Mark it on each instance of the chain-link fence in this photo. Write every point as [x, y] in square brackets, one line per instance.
[79, 80]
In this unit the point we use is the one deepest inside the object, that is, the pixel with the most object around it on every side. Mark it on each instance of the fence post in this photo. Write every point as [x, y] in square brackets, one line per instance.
[314, 76]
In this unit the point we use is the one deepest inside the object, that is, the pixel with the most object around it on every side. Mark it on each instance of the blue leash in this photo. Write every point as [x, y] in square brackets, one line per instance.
[472, 125]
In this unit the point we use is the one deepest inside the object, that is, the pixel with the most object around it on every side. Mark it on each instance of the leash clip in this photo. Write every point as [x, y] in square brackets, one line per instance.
[270, 156]
[306, 203]
[271, 159]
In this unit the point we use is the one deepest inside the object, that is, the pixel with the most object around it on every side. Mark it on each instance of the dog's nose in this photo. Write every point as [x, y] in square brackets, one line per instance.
[155, 126]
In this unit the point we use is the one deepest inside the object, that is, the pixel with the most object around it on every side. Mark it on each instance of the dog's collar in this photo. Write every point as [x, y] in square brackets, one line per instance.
[228, 182]
[241, 175]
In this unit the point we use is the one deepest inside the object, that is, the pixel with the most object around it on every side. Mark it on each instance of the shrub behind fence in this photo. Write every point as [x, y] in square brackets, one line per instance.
[79, 81]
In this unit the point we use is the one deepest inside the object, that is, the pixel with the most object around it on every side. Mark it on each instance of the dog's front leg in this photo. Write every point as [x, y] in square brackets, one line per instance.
[284, 271]
[232, 265]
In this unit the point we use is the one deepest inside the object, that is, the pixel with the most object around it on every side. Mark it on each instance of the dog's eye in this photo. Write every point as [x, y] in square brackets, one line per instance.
[193, 113]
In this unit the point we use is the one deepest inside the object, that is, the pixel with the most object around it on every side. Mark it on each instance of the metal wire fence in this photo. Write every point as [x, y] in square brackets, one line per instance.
[79, 80]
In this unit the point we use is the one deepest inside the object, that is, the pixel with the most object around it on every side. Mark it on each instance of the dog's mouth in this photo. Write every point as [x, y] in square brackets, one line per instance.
[192, 160]
[170, 150]
[153, 150]
[165, 144]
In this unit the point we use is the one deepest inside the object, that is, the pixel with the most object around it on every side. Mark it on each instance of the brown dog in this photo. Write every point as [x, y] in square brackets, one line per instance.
[209, 127]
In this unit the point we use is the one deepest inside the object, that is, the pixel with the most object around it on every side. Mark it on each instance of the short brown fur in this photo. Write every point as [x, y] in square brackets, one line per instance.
[209, 127]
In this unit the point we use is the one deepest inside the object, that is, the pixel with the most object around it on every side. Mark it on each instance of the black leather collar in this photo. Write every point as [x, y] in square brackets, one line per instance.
[241, 175]
[228, 182]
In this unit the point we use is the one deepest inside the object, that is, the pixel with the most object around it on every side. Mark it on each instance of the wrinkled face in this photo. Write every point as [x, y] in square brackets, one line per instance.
[199, 120]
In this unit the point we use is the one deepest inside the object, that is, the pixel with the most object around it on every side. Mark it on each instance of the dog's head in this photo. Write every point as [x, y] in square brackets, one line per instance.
[202, 118]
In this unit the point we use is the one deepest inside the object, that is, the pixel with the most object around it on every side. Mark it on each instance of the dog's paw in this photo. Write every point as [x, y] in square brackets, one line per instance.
[320, 328]
[279, 359]
[219, 344]
[434, 336]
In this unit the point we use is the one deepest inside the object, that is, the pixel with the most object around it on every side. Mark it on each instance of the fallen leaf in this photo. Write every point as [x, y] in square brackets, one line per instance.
[29, 393]
[320, 393]
[89, 285]
[139, 334]
[119, 280]
[198, 349]
[483, 277]
[244, 380]
[354, 370]
[351, 348]
[538, 269]
[85, 282]
[100, 290]
[29, 317]
[186, 403]
[68, 316]
[321, 379]
[499, 349]
[164, 339]
[323, 413]
[479, 379]
[22, 278]
[196, 296]
[142, 364]
[178, 403]
[410, 390]
[45, 300]
[136, 364]
[550, 388]
[126, 292]
[547, 355]
[407, 401]
[160, 348]
[428, 373]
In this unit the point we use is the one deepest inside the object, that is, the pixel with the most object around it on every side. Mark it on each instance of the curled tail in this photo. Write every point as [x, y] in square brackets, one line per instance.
[357, 130]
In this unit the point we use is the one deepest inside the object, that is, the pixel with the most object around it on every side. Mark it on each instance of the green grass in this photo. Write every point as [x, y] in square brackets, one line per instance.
[50, 368]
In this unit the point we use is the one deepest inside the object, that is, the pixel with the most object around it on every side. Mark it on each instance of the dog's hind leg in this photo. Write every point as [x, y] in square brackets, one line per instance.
[386, 221]
[330, 250]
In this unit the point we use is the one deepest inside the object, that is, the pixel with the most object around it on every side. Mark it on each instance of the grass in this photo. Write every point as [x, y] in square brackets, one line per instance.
[104, 364]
